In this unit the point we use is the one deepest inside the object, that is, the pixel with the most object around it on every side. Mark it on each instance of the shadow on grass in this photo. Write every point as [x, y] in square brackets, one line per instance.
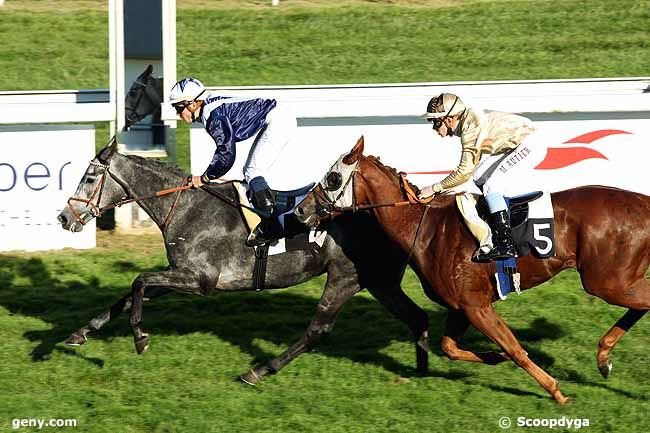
[363, 329]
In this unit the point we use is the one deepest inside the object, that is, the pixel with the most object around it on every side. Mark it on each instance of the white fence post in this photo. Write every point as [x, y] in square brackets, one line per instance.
[273, 2]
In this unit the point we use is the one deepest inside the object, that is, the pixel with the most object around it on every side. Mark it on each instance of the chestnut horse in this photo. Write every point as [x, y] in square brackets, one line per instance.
[602, 232]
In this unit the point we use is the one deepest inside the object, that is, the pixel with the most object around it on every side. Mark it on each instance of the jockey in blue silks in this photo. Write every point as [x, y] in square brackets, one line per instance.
[229, 120]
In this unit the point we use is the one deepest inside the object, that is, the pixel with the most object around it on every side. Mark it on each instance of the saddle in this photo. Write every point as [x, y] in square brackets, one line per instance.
[296, 236]
[285, 203]
[531, 219]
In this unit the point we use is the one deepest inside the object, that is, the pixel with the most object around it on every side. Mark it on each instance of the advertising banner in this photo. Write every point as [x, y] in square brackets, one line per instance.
[40, 167]
[575, 153]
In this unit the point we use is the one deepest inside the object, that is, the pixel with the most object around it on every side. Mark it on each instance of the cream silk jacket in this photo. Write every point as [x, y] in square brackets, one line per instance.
[484, 132]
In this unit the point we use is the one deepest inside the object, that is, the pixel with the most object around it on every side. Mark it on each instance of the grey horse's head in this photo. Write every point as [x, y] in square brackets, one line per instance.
[96, 190]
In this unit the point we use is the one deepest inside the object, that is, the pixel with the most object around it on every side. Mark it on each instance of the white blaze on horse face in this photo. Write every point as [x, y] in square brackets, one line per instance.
[343, 196]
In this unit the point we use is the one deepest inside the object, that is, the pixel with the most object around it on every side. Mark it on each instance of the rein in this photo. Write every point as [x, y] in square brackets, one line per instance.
[232, 202]
[412, 198]
[96, 211]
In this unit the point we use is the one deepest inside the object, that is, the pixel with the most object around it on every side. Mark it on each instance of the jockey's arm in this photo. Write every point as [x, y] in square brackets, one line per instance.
[460, 174]
[471, 137]
[223, 159]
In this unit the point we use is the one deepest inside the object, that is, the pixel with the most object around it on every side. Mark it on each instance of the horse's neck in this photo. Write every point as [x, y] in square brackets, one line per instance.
[157, 88]
[143, 177]
[403, 223]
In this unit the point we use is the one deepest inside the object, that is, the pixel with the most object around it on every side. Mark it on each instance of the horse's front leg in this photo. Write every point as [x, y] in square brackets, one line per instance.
[182, 280]
[487, 321]
[80, 336]
[340, 287]
[401, 306]
[455, 328]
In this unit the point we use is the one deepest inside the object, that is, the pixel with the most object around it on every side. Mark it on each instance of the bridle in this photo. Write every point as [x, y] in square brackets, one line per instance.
[326, 206]
[95, 211]
[132, 111]
[94, 201]
[329, 209]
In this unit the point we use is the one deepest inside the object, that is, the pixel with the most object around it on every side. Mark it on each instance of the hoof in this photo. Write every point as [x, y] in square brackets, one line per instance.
[142, 344]
[559, 397]
[251, 378]
[76, 339]
[423, 342]
[605, 368]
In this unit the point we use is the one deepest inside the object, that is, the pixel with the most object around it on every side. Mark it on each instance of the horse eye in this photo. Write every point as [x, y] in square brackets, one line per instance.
[334, 181]
[90, 179]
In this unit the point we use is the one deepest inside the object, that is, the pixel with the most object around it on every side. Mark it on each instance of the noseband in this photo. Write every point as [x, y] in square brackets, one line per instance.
[96, 211]
[326, 207]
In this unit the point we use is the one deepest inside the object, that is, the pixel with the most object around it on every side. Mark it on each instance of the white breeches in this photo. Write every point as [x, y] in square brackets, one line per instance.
[270, 144]
[512, 174]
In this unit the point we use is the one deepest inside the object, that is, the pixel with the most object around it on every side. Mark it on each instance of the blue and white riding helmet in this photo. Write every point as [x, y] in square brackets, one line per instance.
[187, 90]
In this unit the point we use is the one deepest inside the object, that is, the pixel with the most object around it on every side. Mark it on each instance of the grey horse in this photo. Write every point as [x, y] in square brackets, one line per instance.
[204, 238]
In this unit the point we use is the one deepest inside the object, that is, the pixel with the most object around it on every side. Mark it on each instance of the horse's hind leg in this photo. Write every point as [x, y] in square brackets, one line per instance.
[338, 290]
[80, 336]
[487, 321]
[635, 296]
[455, 328]
[182, 280]
[609, 340]
[401, 306]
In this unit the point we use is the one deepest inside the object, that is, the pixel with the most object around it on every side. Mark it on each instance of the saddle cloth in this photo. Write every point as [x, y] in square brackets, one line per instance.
[531, 219]
[297, 236]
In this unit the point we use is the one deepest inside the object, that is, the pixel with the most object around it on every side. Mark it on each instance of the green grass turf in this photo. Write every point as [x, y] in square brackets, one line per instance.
[360, 378]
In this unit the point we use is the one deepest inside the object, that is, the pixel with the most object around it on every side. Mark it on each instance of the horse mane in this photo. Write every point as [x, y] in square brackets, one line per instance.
[159, 165]
[392, 171]
[163, 167]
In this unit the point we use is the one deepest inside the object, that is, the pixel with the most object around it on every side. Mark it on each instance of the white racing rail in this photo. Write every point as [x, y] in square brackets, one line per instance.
[606, 95]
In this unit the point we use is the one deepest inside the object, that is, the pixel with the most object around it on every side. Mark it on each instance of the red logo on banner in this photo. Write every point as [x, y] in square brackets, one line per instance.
[566, 156]
[560, 157]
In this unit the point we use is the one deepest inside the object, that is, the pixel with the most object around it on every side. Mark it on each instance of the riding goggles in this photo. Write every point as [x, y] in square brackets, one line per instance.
[437, 123]
[180, 106]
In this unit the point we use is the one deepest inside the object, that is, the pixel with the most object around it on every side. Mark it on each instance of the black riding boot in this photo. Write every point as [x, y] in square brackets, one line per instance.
[267, 229]
[504, 245]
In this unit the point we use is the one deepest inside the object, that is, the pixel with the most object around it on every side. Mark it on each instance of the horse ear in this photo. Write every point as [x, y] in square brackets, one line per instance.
[354, 154]
[104, 155]
[149, 70]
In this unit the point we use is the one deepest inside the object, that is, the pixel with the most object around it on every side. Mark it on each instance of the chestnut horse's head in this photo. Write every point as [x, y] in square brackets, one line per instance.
[334, 191]
[354, 182]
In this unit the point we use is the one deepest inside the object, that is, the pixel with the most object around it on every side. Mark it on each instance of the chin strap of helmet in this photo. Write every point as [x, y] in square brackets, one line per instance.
[194, 100]
[451, 132]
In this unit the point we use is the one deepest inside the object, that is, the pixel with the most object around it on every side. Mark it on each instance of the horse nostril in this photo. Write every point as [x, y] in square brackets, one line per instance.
[63, 220]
